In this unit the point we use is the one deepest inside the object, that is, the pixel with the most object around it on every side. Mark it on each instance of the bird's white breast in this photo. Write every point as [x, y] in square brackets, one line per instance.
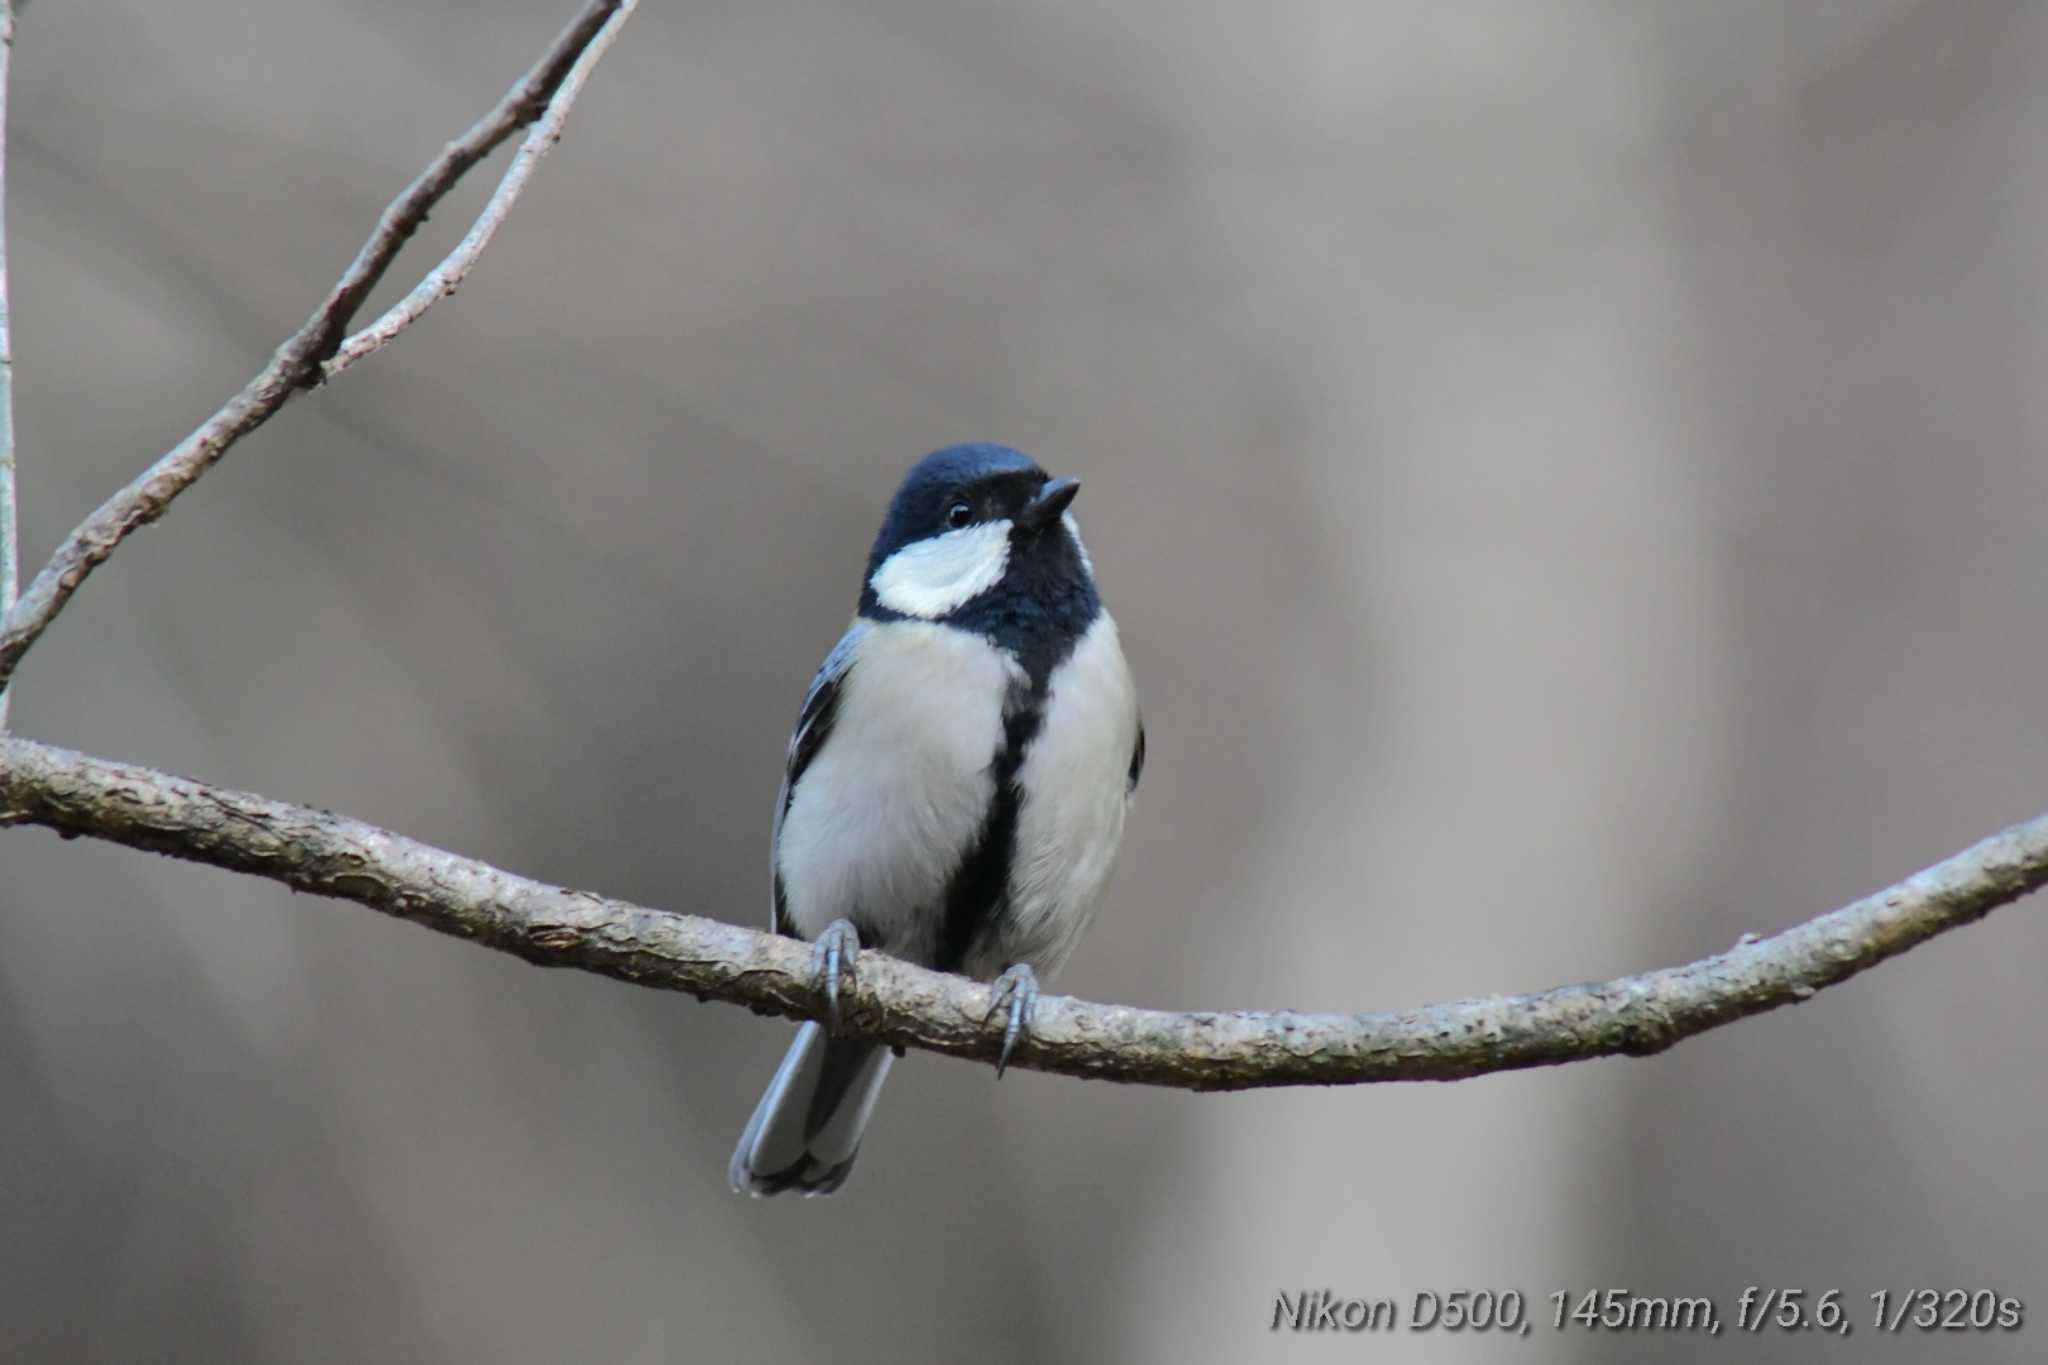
[1076, 790]
[880, 819]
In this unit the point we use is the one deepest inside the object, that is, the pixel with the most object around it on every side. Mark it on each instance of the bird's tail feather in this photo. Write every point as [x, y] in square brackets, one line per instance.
[806, 1130]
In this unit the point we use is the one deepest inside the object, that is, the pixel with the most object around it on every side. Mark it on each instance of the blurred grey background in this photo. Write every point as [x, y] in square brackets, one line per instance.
[1570, 475]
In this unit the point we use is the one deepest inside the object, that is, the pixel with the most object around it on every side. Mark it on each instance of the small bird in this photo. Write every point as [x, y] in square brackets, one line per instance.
[956, 788]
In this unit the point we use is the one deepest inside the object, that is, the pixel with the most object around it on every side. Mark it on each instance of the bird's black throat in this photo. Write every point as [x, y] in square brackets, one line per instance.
[1044, 604]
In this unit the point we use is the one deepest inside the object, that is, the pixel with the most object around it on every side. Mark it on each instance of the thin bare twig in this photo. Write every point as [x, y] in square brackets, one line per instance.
[10, 504]
[894, 1002]
[544, 93]
[444, 278]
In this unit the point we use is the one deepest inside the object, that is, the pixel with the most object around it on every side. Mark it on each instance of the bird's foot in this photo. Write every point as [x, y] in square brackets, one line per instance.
[832, 958]
[1016, 991]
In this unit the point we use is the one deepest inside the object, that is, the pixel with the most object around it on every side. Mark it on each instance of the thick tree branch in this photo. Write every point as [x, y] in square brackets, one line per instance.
[544, 94]
[331, 855]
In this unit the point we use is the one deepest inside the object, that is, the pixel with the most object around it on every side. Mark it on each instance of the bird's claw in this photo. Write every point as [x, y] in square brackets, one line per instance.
[1017, 991]
[832, 957]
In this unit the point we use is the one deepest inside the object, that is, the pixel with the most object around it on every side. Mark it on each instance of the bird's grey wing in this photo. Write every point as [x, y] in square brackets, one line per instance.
[813, 726]
[1137, 759]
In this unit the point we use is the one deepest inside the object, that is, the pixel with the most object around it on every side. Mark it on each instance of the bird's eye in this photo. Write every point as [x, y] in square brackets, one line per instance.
[959, 514]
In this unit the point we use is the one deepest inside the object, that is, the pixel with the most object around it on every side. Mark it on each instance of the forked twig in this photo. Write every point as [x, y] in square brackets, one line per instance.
[542, 97]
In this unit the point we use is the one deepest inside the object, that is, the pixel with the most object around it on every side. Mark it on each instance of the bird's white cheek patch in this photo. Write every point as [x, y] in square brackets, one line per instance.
[934, 576]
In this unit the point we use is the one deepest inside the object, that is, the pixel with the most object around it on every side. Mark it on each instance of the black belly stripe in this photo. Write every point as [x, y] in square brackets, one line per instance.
[975, 898]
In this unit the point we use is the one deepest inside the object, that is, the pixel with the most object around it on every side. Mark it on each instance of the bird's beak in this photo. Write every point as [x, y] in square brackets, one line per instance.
[1045, 509]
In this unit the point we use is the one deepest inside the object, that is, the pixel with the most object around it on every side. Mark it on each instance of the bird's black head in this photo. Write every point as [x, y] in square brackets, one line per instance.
[978, 536]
